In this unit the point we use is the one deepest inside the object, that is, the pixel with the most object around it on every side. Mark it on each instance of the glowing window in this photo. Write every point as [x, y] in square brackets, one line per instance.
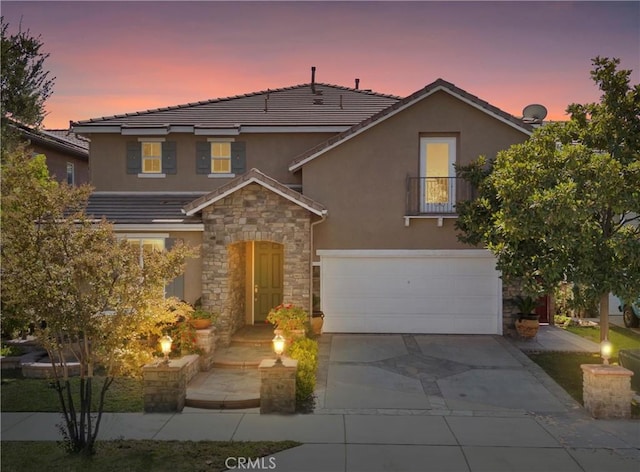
[146, 245]
[151, 158]
[220, 157]
[438, 156]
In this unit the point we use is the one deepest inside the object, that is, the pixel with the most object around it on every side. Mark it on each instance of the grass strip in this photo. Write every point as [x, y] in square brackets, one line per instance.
[125, 456]
[19, 394]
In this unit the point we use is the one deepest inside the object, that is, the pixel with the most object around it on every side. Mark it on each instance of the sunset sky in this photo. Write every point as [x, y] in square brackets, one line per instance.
[117, 57]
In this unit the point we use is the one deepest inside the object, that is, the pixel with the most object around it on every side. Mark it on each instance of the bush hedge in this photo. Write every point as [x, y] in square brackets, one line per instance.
[305, 351]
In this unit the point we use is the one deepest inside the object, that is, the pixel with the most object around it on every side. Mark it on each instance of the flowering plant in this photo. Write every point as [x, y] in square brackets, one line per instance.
[287, 317]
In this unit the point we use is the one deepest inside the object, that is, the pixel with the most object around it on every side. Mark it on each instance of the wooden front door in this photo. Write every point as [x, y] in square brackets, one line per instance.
[268, 279]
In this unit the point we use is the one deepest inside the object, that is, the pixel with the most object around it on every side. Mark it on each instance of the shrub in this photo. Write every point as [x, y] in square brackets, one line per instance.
[305, 351]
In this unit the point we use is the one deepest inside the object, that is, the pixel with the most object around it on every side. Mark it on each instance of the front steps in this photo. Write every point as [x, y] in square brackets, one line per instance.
[234, 380]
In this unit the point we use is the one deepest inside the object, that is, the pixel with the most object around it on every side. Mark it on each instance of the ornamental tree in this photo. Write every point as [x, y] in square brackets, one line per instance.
[97, 301]
[564, 205]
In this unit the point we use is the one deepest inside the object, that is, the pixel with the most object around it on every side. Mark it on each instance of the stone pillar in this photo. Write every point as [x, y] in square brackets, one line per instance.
[165, 385]
[278, 386]
[607, 390]
[206, 342]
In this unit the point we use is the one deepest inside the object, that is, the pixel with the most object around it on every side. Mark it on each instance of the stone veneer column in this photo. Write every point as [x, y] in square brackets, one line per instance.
[252, 213]
[165, 385]
[206, 342]
[607, 390]
[278, 386]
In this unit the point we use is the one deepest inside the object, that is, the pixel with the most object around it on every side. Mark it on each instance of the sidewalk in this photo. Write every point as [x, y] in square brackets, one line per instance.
[552, 338]
[413, 440]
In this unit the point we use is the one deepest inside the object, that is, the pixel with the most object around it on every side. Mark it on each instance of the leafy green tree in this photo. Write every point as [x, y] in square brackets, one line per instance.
[97, 300]
[564, 205]
[25, 84]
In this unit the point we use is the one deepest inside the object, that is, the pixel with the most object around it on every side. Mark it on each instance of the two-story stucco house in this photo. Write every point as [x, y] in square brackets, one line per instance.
[314, 188]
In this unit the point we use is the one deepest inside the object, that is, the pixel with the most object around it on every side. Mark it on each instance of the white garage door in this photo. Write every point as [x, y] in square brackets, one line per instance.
[407, 291]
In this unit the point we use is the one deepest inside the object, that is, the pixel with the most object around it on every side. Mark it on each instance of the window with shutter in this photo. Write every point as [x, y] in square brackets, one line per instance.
[220, 157]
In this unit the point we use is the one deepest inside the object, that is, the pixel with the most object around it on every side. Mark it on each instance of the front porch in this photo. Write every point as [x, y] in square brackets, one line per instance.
[256, 250]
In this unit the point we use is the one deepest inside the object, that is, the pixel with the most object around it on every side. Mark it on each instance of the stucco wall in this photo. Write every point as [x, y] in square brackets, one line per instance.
[193, 271]
[270, 153]
[57, 165]
[363, 181]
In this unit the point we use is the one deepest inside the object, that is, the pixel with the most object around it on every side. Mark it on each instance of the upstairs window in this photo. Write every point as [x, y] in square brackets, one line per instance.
[438, 175]
[71, 173]
[220, 157]
[151, 158]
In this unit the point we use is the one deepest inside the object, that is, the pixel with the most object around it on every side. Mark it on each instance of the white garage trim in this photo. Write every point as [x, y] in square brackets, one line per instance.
[405, 253]
[411, 291]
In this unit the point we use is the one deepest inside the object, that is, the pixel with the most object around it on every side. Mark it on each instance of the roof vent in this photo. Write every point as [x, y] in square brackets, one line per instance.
[357, 83]
[313, 79]
[534, 113]
[318, 101]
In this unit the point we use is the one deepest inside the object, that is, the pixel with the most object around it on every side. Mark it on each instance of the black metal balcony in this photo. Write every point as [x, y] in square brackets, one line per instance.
[436, 195]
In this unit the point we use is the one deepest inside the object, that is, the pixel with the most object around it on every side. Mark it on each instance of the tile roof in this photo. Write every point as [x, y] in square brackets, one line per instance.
[141, 208]
[254, 176]
[63, 140]
[330, 105]
[438, 85]
[70, 136]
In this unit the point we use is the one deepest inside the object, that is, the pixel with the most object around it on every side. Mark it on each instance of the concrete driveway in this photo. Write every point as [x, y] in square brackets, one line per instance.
[445, 373]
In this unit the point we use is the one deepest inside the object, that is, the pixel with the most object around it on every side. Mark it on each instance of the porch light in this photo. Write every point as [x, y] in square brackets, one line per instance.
[165, 345]
[606, 348]
[278, 347]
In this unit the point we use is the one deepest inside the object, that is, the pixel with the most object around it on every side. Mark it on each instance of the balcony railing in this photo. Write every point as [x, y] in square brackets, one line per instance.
[436, 195]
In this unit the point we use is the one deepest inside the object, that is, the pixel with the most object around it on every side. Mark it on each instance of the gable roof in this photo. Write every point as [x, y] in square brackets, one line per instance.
[315, 104]
[254, 176]
[437, 86]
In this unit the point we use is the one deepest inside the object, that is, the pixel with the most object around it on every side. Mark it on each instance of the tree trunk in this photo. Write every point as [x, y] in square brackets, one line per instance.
[604, 316]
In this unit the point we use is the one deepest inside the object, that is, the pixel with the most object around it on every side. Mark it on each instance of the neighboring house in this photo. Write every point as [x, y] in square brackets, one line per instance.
[67, 155]
[315, 188]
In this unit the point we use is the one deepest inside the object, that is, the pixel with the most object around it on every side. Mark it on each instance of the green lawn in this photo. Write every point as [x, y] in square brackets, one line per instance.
[122, 456]
[621, 338]
[19, 394]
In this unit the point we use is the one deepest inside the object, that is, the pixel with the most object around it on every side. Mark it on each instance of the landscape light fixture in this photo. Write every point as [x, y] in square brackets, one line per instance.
[165, 345]
[278, 347]
[606, 348]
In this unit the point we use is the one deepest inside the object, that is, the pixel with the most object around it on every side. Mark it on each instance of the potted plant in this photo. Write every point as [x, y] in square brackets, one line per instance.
[289, 320]
[527, 322]
[202, 319]
[317, 317]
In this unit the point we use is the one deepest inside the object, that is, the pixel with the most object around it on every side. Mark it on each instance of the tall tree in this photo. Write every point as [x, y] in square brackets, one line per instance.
[25, 83]
[97, 299]
[565, 204]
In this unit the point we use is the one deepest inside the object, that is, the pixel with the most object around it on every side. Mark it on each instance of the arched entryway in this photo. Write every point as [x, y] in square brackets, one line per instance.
[254, 238]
